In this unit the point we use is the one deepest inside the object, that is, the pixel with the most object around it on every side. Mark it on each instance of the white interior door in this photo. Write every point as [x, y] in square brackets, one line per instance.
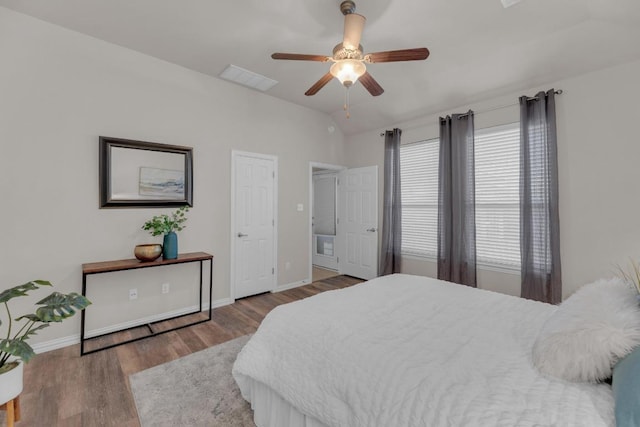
[254, 224]
[358, 222]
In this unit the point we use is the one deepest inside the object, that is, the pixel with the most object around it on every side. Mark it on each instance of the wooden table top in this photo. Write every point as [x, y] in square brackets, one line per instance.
[133, 263]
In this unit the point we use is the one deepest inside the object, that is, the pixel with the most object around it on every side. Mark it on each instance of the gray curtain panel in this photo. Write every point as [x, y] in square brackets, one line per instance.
[456, 201]
[539, 217]
[390, 259]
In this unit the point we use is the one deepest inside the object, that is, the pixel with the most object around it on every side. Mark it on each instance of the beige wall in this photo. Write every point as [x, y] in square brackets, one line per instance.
[59, 91]
[598, 154]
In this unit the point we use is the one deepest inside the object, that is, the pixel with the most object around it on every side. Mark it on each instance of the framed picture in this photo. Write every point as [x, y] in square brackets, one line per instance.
[144, 174]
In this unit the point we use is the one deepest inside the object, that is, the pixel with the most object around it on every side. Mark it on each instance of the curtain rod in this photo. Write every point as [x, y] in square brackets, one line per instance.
[529, 98]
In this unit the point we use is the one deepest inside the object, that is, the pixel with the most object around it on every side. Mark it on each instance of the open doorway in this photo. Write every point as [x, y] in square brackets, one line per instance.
[349, 243]
[323, 211]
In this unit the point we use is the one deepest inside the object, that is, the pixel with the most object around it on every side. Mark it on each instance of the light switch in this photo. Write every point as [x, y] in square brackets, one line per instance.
[300, 207]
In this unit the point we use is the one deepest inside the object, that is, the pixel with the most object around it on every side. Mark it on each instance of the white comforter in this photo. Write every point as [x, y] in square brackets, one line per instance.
[413, 351]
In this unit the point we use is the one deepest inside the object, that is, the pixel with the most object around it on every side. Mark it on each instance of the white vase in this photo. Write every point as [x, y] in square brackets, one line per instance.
[11, 383]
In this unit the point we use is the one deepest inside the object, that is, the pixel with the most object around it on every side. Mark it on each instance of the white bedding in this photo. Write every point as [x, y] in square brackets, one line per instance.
[405, 350]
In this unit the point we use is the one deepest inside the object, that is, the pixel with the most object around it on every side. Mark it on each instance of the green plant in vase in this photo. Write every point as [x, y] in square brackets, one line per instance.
[167, 225]
[14, 348]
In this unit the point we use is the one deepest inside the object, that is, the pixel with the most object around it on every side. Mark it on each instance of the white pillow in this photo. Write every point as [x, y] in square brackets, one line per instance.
[594, 328]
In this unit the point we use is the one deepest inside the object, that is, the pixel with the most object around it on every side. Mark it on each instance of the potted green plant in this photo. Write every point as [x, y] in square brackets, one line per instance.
[14, 349]
[168, 225]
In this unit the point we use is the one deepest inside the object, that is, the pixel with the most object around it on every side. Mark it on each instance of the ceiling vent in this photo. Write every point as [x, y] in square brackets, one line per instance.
[508, 3]
[247, 78]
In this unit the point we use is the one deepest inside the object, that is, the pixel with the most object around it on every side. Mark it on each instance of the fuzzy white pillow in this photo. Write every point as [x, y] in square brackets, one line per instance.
[594, 328]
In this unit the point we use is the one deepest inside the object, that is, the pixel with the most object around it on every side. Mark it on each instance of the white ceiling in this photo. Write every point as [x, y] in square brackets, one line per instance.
[478, 48]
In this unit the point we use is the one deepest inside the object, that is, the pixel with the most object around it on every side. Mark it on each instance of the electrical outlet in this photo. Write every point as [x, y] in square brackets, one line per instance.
[133, 294]
[287, 265]
[165, 288]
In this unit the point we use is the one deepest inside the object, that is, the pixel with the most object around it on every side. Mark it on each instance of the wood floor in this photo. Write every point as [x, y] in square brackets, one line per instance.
[63, 389]
[319, 273]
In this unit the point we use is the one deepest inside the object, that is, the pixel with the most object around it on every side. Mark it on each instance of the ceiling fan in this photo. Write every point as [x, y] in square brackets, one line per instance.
[348, 58]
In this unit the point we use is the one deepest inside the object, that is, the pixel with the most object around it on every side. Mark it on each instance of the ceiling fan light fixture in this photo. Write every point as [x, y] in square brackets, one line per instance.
[348, 71]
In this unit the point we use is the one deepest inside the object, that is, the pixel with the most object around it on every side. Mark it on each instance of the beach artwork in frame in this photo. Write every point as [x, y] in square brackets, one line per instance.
[144, 174]
[161, 183]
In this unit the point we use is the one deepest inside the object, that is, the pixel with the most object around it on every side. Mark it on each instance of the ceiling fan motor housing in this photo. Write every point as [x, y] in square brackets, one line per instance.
[341, 52]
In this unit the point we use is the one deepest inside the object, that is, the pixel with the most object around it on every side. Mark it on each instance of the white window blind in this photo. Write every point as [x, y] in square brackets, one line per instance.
[497, 165]
[497, 168]
[419, 181]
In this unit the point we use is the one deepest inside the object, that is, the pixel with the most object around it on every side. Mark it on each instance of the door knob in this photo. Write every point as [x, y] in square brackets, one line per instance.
[371, 230]
[242, 235]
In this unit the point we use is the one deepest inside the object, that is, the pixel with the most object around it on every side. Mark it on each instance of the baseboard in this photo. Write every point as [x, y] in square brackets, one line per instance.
[56, 344]
[75, 339]
[142, 321]
[288, 286]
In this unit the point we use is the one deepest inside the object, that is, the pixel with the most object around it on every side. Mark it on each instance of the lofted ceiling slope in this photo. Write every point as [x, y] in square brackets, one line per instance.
[478, 48]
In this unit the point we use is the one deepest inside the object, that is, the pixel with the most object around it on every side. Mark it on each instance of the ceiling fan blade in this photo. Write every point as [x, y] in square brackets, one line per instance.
[371, 84]
[300, 57]
[319, 84]
[416, 54]
[353, 26]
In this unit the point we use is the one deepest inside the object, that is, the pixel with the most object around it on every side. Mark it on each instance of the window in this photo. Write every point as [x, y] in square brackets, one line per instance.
[419, 181]
[497, 157]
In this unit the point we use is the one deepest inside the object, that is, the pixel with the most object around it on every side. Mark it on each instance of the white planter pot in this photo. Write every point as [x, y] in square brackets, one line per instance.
[11, 383]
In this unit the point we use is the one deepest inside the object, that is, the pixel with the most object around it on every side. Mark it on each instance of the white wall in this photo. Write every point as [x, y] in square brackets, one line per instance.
[598, 155]
[59, 91]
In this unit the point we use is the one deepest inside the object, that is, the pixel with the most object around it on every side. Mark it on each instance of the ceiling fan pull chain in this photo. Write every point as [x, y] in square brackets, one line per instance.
[346, 101]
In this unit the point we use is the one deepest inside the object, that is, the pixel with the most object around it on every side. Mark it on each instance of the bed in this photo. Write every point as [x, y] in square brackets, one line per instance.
[405, 350]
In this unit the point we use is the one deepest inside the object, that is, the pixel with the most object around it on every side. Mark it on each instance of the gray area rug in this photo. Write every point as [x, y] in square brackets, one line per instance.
[195, 390]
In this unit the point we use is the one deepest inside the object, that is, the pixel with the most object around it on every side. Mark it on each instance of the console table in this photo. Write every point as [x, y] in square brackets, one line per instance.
[132, 264]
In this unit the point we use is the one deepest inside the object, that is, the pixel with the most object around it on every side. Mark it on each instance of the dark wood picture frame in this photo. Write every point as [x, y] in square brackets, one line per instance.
[120, 158]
